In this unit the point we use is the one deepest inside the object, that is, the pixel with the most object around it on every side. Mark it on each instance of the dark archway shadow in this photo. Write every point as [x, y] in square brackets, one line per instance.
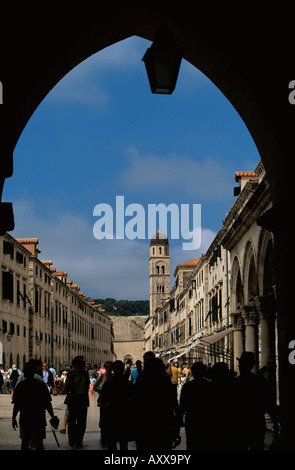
[240, 53]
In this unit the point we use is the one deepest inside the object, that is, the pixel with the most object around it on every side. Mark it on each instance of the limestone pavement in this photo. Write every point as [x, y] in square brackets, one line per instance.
[10, 440]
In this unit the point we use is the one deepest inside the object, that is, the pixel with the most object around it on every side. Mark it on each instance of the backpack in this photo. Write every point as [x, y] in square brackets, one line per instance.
[14, 375]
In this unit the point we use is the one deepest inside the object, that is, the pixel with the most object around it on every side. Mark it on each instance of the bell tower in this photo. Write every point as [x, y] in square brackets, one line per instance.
[159, 269]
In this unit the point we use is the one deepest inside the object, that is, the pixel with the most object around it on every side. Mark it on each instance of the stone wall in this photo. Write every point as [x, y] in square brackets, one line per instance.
[129, 337]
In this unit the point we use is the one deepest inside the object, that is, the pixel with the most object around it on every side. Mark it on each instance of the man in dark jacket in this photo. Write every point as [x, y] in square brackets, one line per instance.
[32, 399]
[77, 389]
[197, 408]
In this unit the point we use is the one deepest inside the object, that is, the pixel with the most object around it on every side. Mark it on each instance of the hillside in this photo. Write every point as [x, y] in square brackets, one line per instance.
[123, 307]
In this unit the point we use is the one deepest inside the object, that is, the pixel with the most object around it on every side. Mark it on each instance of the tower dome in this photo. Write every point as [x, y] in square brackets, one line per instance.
[159, 239]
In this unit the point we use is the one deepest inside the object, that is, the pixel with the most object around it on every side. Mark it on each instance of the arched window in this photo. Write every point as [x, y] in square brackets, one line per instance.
[163, 270]
[160, 250]
[157, 269]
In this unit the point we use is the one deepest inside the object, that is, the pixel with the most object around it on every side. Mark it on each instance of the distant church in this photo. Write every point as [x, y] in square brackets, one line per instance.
[159, 270]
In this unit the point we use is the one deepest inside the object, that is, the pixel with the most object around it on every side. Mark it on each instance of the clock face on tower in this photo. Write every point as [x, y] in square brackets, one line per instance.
[159, 270]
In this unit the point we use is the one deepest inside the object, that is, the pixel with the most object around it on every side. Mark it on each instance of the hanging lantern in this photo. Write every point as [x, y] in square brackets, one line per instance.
[162, 61]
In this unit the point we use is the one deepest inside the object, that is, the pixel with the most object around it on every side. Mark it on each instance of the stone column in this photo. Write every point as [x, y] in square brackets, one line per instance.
[266, 308]
[251, 319]
[238, 337]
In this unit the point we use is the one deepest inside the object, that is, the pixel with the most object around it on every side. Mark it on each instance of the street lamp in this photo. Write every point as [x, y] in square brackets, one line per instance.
[162, 62]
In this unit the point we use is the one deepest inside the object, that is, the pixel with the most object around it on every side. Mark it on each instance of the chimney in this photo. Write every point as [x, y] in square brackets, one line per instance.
[30, 244]
[242, 177]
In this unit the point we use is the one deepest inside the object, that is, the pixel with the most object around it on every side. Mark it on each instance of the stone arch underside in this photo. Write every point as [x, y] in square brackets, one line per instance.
[249, 69]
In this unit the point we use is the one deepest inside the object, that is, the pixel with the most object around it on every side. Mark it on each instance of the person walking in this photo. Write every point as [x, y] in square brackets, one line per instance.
[34, 364]
[14, 374]
[97, 387]
[1, 378]
[116, 400]
[77, 399]
[156, 414]
[136, 371]
[32, 400]
[175, 376]
[197, 410]
[226, 404]
[255, 398]
[47, 377]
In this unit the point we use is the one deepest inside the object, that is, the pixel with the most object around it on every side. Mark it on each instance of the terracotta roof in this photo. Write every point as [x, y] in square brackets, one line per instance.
[27, 240]
[191, 262]
[60, 273]
[250, 174]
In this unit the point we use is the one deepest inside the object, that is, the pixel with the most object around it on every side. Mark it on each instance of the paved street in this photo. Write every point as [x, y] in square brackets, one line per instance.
[9, 439]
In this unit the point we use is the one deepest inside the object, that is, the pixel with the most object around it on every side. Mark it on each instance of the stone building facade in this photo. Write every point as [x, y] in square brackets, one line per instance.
[129, 340]
[223, 302]
[43, 314]
[253, 281]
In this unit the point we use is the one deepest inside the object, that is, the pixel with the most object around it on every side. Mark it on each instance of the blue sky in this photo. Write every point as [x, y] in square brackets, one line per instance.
[101, 133]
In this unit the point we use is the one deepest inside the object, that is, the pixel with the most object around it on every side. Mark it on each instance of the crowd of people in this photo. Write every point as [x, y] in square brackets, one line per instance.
[148, 403]
[10, 377]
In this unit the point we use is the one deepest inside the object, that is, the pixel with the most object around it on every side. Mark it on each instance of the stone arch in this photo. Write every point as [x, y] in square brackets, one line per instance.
[208, 49]
[127, 358]
[266, 272]
[251, 286]
[237, 290]
[236, 62]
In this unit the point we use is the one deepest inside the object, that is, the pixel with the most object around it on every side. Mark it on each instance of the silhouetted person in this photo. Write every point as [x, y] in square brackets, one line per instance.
[148, 355]
[97, 387]
[268, 373]
[255, 400]
[225, 407]
[77, 387]
[32, 399]
[116, 398]
[197, 407]
[156, 408]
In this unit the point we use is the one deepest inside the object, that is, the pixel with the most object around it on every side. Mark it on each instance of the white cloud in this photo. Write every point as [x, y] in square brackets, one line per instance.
[102, 268]
[206, 178]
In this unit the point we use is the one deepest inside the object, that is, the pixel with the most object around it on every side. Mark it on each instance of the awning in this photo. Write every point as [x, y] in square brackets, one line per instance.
[211, 339]
[181, 351]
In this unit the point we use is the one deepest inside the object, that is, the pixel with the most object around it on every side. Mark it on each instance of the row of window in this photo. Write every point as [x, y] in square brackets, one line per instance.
[13, 329]
[214, 315]
[8, 249]
[41, 300]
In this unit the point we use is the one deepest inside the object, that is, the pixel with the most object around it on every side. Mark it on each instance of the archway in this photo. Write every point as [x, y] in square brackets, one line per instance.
[268, 279]
[249, 69]
[237, 287]
[250, 273]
